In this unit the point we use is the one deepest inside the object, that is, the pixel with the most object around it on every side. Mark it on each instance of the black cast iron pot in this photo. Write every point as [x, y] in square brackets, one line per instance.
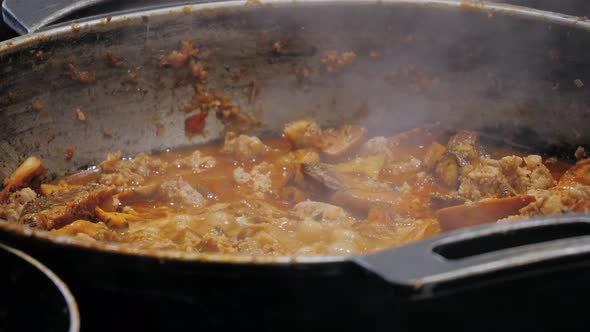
[512, 73]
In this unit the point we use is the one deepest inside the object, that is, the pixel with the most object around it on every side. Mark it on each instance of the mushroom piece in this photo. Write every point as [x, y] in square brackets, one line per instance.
[465, 146]
[433, 154]
[447, 164]
[447, 171]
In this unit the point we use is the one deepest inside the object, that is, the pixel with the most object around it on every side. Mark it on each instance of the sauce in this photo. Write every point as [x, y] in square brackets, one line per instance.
[298, 195]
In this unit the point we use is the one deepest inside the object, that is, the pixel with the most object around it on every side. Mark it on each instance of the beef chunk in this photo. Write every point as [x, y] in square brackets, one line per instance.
[331, 177]
[11, 210]
[64, 207]
[258, 179]
[339, 141]
[181, 192]
[508, 176]
[485, 181]
[320, 212]
[243, 147]
[303, 133]
[87, 230]
[29, 174]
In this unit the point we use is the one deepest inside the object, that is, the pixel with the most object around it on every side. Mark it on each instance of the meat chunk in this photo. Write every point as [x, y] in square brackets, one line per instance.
[258, 179]
[30, 173]
[511, 175]
[215, 242]
[385, 221]
[130, 172]
[358, 192]
[197, 162]
[259, 242]
[400, 151]
[370, 166]
[339, 141]
[86, 230]
[361, 200]
[333, 178]
[485, 181]
[376, 146]
[571, 193]
[181, 192]
[48, 189]
[391, 146]
[12, 209]
[320, 212]
[115, 220]
[61, 208]
[355, 192]
[243, 147]
[526, 173]
[303, 133]
[333, 142]
[557, 200]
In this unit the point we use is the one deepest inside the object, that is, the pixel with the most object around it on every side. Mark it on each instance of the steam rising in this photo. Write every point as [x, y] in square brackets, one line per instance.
[463, 68]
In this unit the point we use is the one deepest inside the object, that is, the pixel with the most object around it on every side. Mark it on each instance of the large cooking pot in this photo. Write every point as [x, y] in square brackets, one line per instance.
[515, 74]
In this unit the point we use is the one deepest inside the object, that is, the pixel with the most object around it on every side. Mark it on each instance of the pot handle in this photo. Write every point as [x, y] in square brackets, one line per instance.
[481, 252]
[29, 16]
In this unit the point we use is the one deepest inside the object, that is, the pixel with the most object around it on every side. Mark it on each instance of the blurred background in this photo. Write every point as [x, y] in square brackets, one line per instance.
[571, 7]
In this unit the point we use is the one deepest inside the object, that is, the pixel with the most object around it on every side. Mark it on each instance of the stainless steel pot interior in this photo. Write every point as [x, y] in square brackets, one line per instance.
[511, 72]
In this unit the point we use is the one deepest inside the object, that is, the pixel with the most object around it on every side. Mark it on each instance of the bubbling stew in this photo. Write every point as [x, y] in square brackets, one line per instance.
[311, 191]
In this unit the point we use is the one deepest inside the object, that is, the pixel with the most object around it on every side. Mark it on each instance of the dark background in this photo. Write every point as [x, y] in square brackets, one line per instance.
[572, 7]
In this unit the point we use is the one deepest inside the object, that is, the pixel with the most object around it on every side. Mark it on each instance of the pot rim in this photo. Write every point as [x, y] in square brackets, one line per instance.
[216, 8]
[139, 17]
[73, 312]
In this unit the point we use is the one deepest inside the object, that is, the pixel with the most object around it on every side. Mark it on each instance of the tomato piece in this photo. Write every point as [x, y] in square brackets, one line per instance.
[195, 124]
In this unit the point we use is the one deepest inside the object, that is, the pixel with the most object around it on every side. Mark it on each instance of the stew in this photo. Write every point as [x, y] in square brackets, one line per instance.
[311, 191]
